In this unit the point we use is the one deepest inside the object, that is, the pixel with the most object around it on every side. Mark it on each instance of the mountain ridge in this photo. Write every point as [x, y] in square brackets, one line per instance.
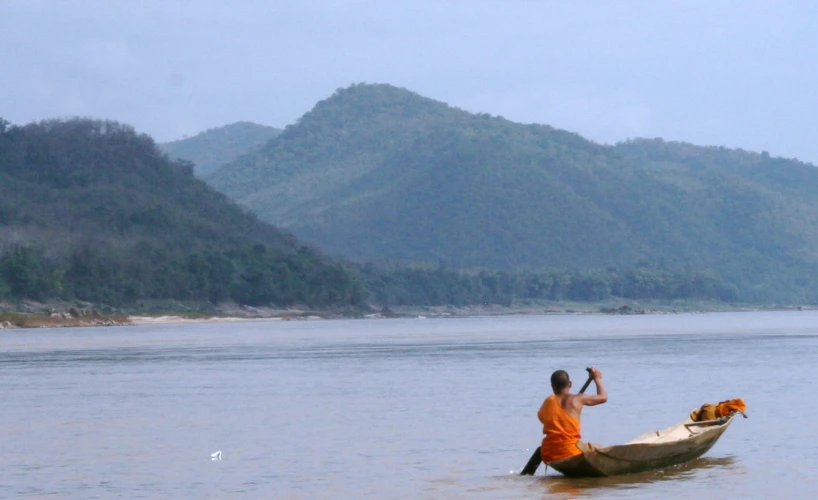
[375, 172]
[214, 147]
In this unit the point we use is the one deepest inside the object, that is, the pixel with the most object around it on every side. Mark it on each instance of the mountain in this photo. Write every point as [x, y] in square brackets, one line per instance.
[92, 210]
[214, 147]
[380, 173]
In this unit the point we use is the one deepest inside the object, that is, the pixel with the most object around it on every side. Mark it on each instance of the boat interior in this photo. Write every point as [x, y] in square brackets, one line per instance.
[682, 430]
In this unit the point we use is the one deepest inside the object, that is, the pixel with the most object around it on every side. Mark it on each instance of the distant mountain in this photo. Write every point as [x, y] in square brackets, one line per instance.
[92, 210]
[380, 173]
[214, 147]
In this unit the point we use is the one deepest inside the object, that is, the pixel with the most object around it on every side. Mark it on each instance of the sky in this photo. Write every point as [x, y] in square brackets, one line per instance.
[725, 73]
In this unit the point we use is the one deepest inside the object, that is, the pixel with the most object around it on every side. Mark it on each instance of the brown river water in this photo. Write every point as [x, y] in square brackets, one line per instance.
[400, 408]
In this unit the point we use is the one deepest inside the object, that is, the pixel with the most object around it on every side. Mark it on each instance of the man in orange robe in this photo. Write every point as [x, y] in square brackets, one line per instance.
[560, 414]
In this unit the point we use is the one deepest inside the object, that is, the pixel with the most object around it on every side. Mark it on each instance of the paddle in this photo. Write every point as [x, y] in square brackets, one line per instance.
[536, 459]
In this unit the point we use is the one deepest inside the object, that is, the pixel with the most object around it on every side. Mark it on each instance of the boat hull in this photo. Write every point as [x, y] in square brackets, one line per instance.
[654, 450]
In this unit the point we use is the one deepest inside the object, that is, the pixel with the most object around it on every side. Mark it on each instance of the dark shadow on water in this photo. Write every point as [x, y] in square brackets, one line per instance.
[577, 487]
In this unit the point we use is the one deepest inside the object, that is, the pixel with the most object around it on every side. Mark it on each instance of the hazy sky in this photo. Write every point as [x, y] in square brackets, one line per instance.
[733, 73]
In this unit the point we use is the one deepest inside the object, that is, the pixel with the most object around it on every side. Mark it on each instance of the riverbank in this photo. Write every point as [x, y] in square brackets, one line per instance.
[609, 307]
[56, 319]
[37, 315]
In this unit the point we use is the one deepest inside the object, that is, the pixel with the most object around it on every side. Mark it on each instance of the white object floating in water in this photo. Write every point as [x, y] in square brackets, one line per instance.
[216, 456]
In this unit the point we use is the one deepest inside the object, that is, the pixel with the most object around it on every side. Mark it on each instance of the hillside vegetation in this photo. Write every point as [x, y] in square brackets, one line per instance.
[214, 147]
[91, 210]
[378, 173]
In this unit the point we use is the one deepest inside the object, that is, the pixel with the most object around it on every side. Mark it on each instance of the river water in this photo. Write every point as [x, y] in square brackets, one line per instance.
[414, 408]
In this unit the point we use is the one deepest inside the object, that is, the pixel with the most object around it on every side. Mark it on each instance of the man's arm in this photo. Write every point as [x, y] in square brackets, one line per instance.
[601, 393]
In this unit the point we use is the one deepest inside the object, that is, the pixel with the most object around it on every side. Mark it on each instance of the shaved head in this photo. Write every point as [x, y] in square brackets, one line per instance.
[559, 380]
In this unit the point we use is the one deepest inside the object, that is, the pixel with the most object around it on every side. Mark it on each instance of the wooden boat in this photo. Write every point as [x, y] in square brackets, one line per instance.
[652, 450]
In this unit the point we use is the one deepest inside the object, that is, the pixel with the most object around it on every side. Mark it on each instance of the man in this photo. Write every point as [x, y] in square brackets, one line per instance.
[560, 415]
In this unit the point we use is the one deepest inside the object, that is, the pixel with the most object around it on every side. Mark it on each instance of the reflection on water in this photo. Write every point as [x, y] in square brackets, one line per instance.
[578, 487]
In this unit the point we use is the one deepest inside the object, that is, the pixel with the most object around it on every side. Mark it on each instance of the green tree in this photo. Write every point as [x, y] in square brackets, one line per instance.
[27, 273]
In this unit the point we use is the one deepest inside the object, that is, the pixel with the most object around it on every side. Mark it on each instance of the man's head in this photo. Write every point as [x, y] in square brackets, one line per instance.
[560, 381]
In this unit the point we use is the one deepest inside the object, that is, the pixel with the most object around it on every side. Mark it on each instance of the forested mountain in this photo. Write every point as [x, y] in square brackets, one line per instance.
[380, 173]
[94, 211]
[214, 147]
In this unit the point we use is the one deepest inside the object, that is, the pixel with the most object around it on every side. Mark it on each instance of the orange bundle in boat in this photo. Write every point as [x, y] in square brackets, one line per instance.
[712, 412]
[725, 407]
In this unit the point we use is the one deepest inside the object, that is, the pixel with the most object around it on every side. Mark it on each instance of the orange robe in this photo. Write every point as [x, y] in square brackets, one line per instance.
[561, 431]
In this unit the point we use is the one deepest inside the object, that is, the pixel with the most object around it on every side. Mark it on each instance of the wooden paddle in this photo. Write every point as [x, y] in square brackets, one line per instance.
[536, 459]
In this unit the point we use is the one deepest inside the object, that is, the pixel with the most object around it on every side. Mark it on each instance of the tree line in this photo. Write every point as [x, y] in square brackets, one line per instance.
[408, 285]
[253, 276]
[257, 276]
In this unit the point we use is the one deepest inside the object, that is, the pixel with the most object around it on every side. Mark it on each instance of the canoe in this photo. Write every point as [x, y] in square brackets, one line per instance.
[653, 450]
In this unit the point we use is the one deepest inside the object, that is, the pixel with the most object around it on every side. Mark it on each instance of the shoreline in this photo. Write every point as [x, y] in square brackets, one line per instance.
[233, 313]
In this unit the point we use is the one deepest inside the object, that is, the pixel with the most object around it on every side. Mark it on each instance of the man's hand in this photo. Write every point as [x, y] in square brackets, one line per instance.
[596, 375]
[601, 393]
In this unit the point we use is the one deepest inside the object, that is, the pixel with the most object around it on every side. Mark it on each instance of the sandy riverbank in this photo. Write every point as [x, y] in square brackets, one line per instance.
[165, 320]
